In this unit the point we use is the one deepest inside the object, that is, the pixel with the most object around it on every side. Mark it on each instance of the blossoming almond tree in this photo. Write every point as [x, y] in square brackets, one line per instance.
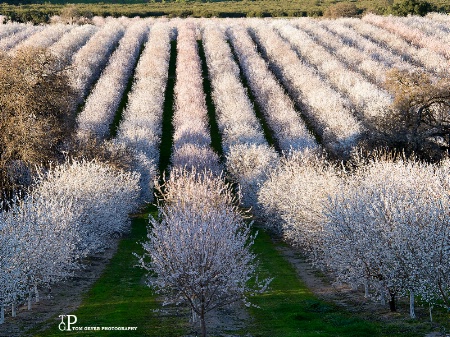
[294, 195]
[72, 211]
[200, 247]
[388, 227]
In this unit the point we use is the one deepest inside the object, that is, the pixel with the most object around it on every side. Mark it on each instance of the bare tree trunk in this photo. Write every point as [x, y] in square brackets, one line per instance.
[13, 309]
[392, 302]
[202, 315]
[203, 324]
[366, 289]
[36, 293]
[412, 313]
[431, 315]
[29, 299]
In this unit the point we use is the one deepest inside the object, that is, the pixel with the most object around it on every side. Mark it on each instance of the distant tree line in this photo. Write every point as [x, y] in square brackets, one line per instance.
[41, 12]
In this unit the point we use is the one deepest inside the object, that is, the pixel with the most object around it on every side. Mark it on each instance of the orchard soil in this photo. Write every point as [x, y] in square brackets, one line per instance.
[63, 298]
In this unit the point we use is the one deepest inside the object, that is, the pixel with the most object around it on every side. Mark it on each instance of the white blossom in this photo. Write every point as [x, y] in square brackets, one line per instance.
[199, 248]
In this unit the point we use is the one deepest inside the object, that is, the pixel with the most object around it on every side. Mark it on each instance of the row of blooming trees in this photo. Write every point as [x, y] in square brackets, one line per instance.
[284, 121]
[384, 226]
[248, 156]
[191, 139]
[88, 62]
[141, 125]
[73, 211]
[103, 101]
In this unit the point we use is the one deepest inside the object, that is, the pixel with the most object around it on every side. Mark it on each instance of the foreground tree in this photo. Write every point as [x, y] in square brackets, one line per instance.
[199, 249]
[36, 105]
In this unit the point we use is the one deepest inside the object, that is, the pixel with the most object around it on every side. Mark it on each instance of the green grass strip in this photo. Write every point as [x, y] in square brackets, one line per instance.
[216, 136]
[113, 128]
[165, 148]
[120, 296]
[288, 308]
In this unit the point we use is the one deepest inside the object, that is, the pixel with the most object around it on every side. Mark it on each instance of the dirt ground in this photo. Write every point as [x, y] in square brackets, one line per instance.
[63, 298]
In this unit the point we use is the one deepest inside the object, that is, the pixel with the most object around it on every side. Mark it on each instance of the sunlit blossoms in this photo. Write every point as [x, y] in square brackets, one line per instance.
[199, 247]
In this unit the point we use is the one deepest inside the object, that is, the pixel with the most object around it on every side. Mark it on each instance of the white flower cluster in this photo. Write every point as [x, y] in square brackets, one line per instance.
[284, 122]
[141, 125]
[384, 226]
[191, 139]
[248, 156]
[45, 38]
[327, 109]
[413, 35]
[73, 211]
[104, 99]
[12, 40]
[71, 42]
[89, 61]
[431, 60]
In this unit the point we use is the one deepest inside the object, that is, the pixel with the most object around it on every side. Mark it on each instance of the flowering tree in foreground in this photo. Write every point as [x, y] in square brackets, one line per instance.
[199, 249]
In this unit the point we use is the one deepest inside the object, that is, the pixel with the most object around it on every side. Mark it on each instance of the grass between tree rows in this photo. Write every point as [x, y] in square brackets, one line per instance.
[120, 297]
